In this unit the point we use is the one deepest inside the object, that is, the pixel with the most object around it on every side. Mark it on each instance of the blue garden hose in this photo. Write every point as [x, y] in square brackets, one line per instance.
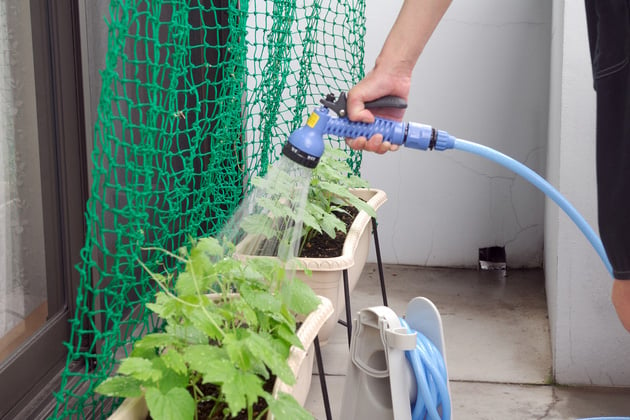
[433, 399]
[540, 183]
[306, 145]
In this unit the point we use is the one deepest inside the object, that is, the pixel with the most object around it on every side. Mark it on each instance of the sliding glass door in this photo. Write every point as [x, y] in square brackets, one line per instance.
[42, 191]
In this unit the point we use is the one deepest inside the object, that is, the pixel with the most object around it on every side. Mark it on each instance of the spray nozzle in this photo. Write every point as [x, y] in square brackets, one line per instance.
[306, 144]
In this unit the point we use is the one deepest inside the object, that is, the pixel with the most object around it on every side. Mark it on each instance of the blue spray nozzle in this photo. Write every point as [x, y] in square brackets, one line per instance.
[306, 144]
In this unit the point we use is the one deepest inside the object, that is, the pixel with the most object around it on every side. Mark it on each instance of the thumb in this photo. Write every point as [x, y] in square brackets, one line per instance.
[356, 109]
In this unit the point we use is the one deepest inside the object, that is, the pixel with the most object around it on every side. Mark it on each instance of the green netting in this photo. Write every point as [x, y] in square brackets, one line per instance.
[197, 97]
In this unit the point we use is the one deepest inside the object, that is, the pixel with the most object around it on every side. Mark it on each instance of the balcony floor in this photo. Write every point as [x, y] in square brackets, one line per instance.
[497, 345]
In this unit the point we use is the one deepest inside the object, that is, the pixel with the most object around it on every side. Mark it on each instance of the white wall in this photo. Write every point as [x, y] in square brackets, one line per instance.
[513, 75]
[483, 77]
[589, 345]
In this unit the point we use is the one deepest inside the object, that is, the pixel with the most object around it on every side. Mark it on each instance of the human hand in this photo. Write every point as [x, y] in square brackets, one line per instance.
[375, 85]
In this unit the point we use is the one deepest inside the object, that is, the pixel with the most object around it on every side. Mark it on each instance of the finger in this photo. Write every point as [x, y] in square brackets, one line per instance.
[387, 147]
[374, 143]
[362, 115]
[357, 143]
[355, 106]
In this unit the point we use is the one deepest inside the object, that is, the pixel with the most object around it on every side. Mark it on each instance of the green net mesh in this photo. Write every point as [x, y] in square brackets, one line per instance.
[197, 97]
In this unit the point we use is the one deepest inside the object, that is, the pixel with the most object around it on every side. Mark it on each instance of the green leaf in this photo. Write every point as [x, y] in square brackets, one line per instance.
[242, 389]
[156, 340]
[188, 334]
[276, 207]
[139, 368]
[331, 224]
[169, 378]
[175, 362]
[299, 297]
[120, 386]
[210, 246]
[259, 224]
[165, 306]
[234, 344]
[185, 284]
[158, 307]
[148, 353]
[361, 205]
[262, 349]
[200, 263]
[205, 321]
[160, 278]
[339, 190]
[238, 312]
[259, 299]
[211, 362]
[176, 404]
[284, 332]
[309, 217]
[263, 268]
[284, 406]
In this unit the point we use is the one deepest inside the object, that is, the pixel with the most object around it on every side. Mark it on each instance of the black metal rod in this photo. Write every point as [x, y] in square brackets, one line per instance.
[322, 378]
[377, 248]
[346, 292]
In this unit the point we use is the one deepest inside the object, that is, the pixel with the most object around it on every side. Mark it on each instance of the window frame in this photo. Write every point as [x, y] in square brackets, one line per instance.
[28, 375]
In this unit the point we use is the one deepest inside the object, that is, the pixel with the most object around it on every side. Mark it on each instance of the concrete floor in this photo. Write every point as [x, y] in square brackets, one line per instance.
[497, 345]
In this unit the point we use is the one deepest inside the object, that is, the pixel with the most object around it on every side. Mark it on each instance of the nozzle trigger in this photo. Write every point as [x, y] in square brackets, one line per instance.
[338, 106]
[388, 101]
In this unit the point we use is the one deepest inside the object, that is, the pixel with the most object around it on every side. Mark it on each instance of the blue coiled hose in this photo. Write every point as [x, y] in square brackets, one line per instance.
[429, 370]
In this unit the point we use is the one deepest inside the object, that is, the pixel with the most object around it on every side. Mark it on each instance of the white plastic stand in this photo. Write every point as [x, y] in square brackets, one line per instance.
[379, 381]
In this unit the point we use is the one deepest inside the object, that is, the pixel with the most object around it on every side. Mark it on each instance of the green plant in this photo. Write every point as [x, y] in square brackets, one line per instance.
[329, 194]
[233, 340]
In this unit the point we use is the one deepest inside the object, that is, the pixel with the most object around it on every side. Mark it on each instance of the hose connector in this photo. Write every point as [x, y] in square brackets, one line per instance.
[444, 141]
[423, 137]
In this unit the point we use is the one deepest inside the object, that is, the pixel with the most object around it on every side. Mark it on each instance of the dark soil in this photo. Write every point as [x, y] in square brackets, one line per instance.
[323, 246]
[204, 409]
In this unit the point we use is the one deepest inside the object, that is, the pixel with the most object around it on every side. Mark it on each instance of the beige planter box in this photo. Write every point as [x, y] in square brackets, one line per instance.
[300, 361]
[326, 277]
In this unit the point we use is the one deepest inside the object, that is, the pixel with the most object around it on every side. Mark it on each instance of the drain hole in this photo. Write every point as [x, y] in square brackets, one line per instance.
[492, 258]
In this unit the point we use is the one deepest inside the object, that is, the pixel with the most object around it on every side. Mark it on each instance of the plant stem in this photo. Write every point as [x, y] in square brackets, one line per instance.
[164, 289]
[262, 413]
[165, 251]
[203, 308]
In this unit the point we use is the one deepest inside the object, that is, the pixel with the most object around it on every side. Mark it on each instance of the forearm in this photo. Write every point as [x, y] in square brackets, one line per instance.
[391, 74]
[413, 27]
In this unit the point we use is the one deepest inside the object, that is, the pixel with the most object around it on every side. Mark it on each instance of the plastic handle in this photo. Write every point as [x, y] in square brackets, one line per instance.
[389, 101]
[392, 131]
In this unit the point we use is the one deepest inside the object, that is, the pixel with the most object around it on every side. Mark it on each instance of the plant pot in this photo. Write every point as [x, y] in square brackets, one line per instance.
[300, 361]
[326, 274]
